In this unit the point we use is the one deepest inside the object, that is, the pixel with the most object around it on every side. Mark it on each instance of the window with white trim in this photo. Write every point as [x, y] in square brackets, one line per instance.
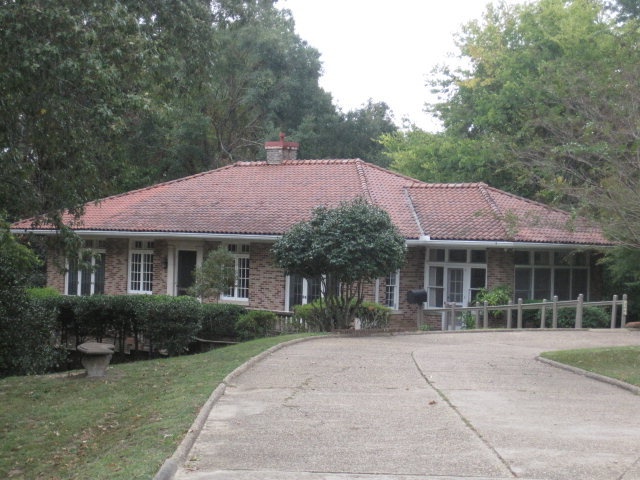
[85, 275]
[392, 290]
[455, 275]
[240, 289]
[141, 266]
[543, 274]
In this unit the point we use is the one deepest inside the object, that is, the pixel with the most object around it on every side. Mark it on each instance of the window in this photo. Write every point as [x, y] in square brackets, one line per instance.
[303, 290]
[455, 276]
[543, 274]
[86, 277]
[240, 289]
[392, 290]
[141, 267]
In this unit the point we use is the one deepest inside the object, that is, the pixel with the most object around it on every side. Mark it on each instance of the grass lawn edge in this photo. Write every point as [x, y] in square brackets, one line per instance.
[596, 376]
[170, 465]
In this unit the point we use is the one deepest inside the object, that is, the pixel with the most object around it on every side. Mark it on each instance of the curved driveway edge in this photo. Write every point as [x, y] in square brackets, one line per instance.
[170, 466]
[446, 406]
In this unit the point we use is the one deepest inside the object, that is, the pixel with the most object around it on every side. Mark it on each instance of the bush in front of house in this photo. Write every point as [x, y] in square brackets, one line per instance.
[592, 317]
[25, 328]
[255, 323]
[373, 315]
[169, 323]
[219, 320]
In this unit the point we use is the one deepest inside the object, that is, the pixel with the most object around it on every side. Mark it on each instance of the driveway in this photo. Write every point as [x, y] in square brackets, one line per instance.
[407, 407]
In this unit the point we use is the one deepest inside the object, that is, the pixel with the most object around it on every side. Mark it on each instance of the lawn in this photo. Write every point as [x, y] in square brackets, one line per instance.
[622, 363]
[122, 426]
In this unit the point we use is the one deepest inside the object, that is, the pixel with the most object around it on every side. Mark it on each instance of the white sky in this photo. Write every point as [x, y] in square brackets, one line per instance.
[383, 50]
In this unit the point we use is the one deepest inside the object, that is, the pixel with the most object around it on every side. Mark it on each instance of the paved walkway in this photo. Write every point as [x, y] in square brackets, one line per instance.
[407, 407]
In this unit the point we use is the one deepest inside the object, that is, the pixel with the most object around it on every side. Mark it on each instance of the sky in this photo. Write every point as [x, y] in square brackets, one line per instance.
[383, 49]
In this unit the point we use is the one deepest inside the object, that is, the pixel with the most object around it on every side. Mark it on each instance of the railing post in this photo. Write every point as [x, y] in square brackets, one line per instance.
[623, 317]
[509, 315]
[519, 313]
[543, 313]
[476, 314]
[579, 311]
[452, 324]
[614, 310]
[554, 310]
[485, 315]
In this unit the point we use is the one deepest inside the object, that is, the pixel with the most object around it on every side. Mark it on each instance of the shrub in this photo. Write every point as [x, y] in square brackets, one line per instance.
[373, 315]
[592, 317]
[43, 292]
[313, 314]
[219, 320]
[255, 323]
[169, 323]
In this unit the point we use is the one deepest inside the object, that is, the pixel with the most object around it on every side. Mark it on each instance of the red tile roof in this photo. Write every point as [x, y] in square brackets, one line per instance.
[255, 198]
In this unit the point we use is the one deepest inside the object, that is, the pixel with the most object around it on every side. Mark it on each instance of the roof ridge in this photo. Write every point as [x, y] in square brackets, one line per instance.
[414, 213]
[483, 188]
[364, 179]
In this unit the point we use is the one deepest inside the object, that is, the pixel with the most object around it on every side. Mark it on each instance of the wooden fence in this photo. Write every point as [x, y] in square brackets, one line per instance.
[512, 315]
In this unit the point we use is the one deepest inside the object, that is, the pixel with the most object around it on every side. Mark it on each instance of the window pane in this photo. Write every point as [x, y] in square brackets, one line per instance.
[136, 271]
[579, 283]
[436, 296]
[436, 255]
[72, 278]
[523, 283]
[521, 258]
[562, 283]
[541, 258]
[314, 289]
[295, 291]
[580, 259]
[478, 256]
[98, 287]
[436, 276]
[561, 258]
[455, 285]
[542, 283]
[390, 290]
[243, 278]
[85, 281]
[458, 256]
[147, 277]
[478, 276]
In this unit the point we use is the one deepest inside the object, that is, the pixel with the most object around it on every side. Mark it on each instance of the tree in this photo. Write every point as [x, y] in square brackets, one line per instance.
[215, 276]
[347, 247]
[354, 134]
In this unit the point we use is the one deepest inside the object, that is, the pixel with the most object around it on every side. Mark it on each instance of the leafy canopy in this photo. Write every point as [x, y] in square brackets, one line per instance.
[346, 247]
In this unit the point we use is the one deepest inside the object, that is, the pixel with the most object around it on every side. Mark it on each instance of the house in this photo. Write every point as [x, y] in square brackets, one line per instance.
[460, 237]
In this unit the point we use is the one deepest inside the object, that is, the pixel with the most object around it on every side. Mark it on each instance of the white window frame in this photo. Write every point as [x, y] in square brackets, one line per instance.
[242, 256]
[392, 290]
[305, 293]
[553, 266]
[144, 248]
[88, 249]
[467, 266]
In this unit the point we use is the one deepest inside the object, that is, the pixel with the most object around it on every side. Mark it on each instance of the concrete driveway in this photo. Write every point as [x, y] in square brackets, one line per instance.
[407, 407]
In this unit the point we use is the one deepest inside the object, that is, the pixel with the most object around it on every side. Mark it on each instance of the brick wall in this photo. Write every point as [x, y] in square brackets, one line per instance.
[160, 251]
[116, 266]
[500, 268]
[266, 280]
[55, 278]
[411, 278]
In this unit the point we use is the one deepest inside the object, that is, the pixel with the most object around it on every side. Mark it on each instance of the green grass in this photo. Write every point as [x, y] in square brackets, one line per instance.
[622, 363]
[122, 426]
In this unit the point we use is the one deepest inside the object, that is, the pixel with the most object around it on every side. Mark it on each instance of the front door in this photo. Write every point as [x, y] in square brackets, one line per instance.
[186, 266]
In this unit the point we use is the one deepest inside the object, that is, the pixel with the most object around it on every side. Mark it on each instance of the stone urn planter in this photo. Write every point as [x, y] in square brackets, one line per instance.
[96, 357]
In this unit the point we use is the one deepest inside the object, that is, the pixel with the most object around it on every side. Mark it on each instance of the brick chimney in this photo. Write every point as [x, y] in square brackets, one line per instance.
[280, 150]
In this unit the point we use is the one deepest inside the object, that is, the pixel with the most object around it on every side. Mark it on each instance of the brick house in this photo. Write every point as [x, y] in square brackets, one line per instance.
[460, 237]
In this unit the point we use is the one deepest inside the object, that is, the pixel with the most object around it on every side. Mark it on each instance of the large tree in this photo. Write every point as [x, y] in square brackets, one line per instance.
[345, 247]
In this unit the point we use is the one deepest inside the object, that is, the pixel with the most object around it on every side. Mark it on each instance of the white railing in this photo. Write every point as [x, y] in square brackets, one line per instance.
[454, 316]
